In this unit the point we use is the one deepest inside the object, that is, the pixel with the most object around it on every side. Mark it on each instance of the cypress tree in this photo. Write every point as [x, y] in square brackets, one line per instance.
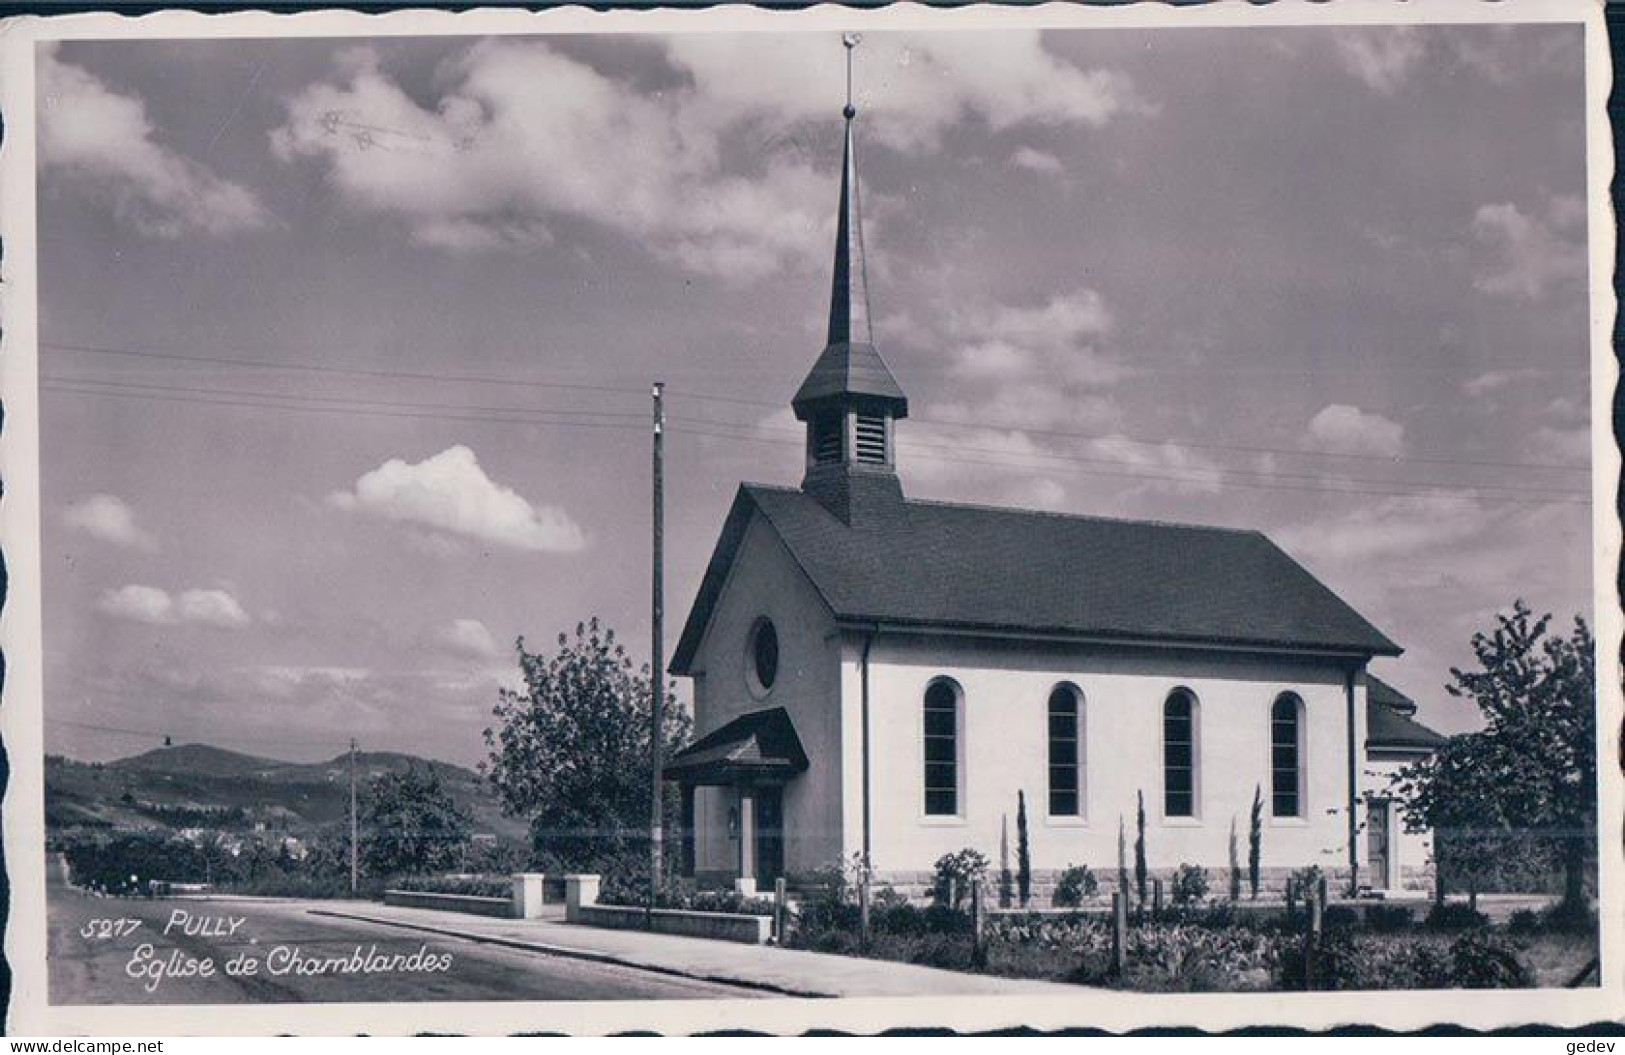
[1139, 846]
[1122, 858]
[1024, 862]
[1235, 864]
[1255, 837]
[1006, 883]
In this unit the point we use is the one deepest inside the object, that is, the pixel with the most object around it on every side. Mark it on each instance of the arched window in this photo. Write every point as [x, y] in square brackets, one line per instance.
[941, 748]
[1286, 756]
[1179, 754]
[1066, 752]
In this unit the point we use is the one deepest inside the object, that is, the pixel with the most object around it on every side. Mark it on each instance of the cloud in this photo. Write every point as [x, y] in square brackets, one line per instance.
[1343, 429]
[1037, 161]
[1531, 254]
[150, 604]
[108, 518]
[1382, 58]
[493, 159]
[467, 637]
[1567, 446]
[103, 142]
[928, 83]
[451, 495]
[1045, 346]
[1388, 528]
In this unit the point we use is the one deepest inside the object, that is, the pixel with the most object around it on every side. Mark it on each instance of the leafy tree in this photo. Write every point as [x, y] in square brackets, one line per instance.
[1024, 857]
[1255, 840]
[571, 751]
[411, 824]
[1139, 846]
[1531, 771]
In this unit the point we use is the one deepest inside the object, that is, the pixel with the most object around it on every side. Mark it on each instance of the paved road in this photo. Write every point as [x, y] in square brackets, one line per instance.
[88, 965]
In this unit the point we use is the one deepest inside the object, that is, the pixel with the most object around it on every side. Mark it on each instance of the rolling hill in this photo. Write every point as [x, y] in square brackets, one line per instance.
[199, 785]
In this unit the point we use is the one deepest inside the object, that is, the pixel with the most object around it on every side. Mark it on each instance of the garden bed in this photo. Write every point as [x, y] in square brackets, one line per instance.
[1218, 949]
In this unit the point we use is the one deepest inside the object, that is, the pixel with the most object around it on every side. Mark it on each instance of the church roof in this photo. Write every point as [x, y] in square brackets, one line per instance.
[930, 565]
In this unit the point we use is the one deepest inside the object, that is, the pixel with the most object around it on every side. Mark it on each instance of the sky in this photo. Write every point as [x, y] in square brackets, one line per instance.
[346, 343]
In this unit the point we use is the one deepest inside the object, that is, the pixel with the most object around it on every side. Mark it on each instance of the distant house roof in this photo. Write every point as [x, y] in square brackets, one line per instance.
[1395, 731]
[1390, 723]
[1379, 691]
[929, 565]
[760, 743]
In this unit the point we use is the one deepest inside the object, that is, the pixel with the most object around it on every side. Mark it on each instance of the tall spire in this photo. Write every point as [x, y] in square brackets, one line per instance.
[850, 371]
[849, 295]
[850, 400]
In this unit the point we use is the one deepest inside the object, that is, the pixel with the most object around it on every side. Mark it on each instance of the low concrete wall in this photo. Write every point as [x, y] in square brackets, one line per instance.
[500, 907]
[719, 926]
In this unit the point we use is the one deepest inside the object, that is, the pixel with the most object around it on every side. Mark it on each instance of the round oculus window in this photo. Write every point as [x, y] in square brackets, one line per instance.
[764, 655]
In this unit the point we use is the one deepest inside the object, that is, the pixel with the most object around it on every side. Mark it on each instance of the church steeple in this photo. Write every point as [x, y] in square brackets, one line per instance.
[850, 401]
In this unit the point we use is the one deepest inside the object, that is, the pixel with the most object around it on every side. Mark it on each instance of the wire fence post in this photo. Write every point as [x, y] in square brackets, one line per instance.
[978, 913]
[780, 914]
[1119, 932]
[863, 910]
[1311, 940]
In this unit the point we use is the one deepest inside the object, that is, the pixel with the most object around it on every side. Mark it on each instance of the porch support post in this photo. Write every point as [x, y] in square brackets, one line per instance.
[747, 832]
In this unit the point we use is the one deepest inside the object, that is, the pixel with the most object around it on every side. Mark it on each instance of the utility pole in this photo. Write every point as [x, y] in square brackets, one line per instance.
[657, 662]
[355, 827]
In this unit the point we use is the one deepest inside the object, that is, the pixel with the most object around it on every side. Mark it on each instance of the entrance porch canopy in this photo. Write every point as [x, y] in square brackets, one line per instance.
[760, 747]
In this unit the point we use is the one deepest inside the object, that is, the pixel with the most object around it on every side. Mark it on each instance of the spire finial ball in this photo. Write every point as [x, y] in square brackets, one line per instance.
[849, 111]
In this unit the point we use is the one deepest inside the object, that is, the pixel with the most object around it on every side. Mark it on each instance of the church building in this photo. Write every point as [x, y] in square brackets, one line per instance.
[881, 676]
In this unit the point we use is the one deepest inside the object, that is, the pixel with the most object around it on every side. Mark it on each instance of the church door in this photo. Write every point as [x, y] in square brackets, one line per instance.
[769, 835]
[1379, 846]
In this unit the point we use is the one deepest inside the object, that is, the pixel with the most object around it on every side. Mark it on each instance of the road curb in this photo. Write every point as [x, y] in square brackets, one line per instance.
[579, 954]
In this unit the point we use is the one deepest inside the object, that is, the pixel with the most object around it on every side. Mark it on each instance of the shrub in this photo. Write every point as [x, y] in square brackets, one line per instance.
[1305, 882]
[1076, 883]
[1190, 885]
[1386, 919]
[1345, 960]
[1487, 961]
[1524, 921]
[1340, 917]
[619, 891]
[1454, 915]
[887, 897]
[955, 874]
[1569, 918]
[465, 885]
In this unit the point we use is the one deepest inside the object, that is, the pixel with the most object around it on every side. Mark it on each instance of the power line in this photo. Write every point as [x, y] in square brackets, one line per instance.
[303, 397]
[1195, 445]
[1223, 472]
[348, 411]
[480, 414]
[150, 734]
[402, 375]
[1153, 476]
[1143, 473]
[712, 398]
